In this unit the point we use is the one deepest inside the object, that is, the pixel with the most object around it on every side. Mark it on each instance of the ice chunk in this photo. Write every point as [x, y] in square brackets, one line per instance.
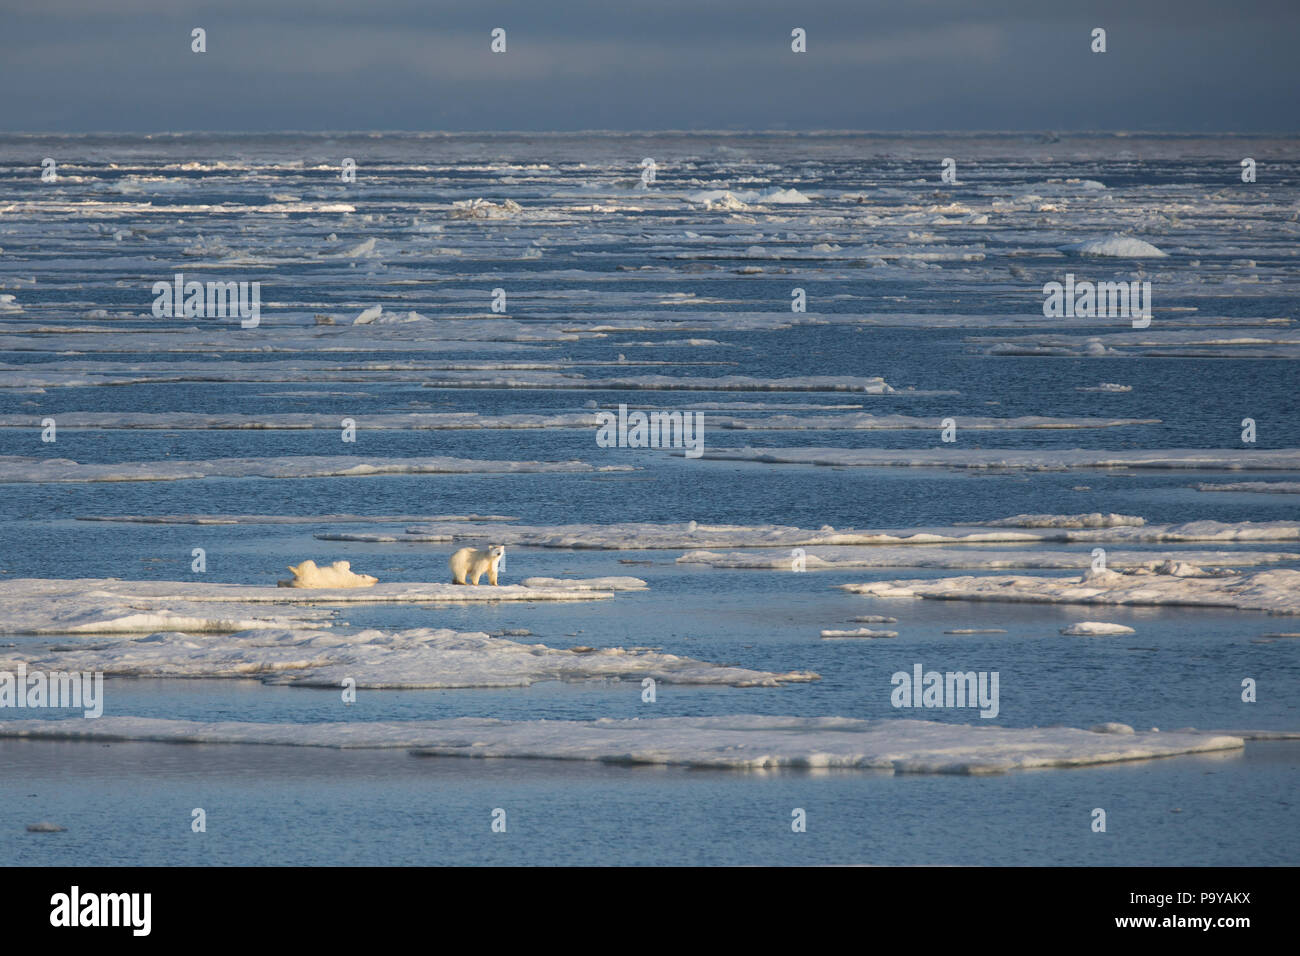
[1114, 246]
[1096, 629]
[588, 584]
[859, 632]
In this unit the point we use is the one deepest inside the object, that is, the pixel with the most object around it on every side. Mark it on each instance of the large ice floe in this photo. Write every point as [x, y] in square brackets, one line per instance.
[467, 421]
[872, 385]
[740, 742]
[887, 556]
[1156, 342]
[110, 606]
[1256, 487]
[1174, 583]
[633, 536]
[14, 468]
[329, 518]
[1225, 459]
[403, 421]
[863, 421]
[383, 659]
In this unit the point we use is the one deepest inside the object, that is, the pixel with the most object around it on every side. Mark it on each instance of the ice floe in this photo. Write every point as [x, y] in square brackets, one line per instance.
[15, 468]
[863, 632]
[484, 209]
[111, 606]
[866, 421]
[1156, 342]
[1276, 591]
[384, 659]
[1226, 459]
[1125, 247]
[694, 535]
[588, 584]
[1257, 487]
[404, 421]
[219, 519]
[1094, 520]
[1096, 629]
[871, 385]
[910, 556]
[741, 742]
[466, 420]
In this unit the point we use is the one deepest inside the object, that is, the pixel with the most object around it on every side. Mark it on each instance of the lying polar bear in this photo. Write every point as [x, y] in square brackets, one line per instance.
[337, 575]
[473, 562]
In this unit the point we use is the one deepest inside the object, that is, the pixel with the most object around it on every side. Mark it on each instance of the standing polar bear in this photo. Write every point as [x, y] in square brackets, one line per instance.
[473, 562]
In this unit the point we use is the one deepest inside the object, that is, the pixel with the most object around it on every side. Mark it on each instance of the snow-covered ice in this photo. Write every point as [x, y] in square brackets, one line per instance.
[910, 556]
[14, 468]
[588, 584]
[1125, 247]
[1257, 487]
[111, 606]
[863, 632]
[1096, 629]
[740, 742]
[1276, 591]
[694, 535]
[1227, 459]
[1095, 519]
[378, 659]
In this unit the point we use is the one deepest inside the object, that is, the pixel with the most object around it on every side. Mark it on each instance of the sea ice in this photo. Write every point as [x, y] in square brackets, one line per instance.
[382, 659]
[1096, 629]
[1259, 487]
[15, 468]
[649, 536]
[1226, 459]
[1276, 591]
[740, 742]
[1094, 520]
[1114, 246]
[859, 632]
[975, 558]
[588, 584]
[110, 606]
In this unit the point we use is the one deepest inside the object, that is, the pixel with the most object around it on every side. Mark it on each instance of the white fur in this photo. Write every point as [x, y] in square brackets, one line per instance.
[474, 562]
[337, 575]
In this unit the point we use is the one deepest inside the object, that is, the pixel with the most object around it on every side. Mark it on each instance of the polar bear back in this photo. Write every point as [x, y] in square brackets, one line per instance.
[337, 575]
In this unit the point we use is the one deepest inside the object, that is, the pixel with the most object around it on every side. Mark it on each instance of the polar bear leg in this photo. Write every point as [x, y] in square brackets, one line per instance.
[492, 575]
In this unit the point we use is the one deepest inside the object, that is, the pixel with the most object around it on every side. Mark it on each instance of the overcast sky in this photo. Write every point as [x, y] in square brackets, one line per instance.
[126, 65]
